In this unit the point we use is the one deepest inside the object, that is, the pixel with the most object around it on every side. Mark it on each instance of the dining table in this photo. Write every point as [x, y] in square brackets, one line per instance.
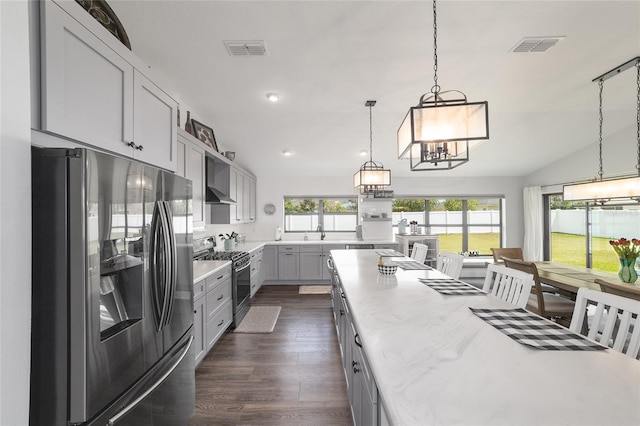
[571, 278]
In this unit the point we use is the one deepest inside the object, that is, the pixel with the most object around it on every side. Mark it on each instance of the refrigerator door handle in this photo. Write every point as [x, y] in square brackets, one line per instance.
[156, 267]
[113, 420]
[173, 264]
[170, 259]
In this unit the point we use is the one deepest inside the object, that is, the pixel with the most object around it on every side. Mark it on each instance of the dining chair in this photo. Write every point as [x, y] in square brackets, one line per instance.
[623, 290]
[450, 264]
[615, 328]
[508, 284]
[510, 252]
[419, 252]
[548, 305]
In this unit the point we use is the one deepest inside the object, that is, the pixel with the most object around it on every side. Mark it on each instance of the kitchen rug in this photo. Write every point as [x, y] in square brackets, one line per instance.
[314, 289]
[259, 319]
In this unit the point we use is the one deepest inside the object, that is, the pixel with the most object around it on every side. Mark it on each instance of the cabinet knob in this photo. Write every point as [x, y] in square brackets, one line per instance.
[220, 323]
[139, 147]
[221, 296]
[131, 144]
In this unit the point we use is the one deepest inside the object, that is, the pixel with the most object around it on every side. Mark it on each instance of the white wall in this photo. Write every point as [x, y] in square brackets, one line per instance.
[273, 190]
[619, 157]
[15, 214]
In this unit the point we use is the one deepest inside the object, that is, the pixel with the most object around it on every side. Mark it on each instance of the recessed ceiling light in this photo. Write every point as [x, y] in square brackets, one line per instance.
[273, 97]
[286, 153]
[363, 153]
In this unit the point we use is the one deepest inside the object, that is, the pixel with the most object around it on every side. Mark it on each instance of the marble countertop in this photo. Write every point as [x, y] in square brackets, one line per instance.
[436, 363]
[253, 245]
[203, 268]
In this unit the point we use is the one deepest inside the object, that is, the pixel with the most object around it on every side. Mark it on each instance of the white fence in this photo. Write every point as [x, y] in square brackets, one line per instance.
[604, 223]
[450, 222]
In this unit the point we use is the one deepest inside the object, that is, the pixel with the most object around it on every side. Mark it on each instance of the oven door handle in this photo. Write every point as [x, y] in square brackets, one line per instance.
[243, 268]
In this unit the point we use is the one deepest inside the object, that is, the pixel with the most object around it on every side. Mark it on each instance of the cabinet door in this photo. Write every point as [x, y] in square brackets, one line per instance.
[288, 266]
[311, 266]
[181, 157]
[196, 172]
[246, 196]
[235, 192]
[87, 89]
[154, 124]
[199, 322]
[270, 264]
[252, 200]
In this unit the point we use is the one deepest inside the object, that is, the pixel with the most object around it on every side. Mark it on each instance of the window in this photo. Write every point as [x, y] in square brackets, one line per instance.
[334, 214]
[469, 224]
[579, 233]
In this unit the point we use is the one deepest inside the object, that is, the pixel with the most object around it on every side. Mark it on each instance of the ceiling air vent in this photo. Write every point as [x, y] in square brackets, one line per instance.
[536, 44]
[245, 47]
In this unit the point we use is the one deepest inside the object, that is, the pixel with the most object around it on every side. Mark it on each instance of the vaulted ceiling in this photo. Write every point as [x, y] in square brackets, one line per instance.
[326, 58]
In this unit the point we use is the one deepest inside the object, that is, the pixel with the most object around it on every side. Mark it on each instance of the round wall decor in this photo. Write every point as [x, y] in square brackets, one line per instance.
[269, 209]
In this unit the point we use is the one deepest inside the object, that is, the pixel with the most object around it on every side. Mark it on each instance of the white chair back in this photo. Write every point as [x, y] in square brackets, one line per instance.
[617, 329]
[508, 284]
[419, 252]
[450, 264]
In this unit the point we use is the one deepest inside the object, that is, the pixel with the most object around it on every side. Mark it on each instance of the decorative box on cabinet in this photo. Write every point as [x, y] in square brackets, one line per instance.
[81, 72]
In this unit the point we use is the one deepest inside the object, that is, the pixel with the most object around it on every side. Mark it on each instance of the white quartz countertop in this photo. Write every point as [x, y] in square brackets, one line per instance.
[203, 268]
[436, 363]
[253, 245]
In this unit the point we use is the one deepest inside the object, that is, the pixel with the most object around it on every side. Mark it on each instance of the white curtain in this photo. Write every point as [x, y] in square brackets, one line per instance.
[533, 219]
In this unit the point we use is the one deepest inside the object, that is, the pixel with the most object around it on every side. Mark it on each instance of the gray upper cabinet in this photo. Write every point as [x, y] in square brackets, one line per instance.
[191, 164]
[94, 95]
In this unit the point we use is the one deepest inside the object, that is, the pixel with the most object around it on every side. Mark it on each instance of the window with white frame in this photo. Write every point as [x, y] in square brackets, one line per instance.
[463, 224]
[335, 214]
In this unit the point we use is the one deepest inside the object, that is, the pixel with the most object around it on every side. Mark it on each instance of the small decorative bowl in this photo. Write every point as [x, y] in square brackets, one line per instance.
[387, 269]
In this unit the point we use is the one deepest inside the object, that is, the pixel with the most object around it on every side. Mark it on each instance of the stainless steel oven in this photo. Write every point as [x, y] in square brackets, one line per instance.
[240, 273]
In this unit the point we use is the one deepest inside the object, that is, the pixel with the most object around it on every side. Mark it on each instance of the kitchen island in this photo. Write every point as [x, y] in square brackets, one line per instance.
[433, 362]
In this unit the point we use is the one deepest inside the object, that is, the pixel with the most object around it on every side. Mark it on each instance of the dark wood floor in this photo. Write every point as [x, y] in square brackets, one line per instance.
[292, 376]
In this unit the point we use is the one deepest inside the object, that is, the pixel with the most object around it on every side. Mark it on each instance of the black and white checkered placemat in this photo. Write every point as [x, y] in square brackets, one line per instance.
[389, 253]
[534, 331]
[412, 265]
[451, 287]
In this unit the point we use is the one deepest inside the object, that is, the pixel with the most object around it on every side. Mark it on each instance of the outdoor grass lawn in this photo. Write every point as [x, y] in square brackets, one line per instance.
[565, 248]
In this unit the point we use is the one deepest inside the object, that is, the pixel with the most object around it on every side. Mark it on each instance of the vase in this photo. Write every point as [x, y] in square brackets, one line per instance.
[627, 272]
[187, 123]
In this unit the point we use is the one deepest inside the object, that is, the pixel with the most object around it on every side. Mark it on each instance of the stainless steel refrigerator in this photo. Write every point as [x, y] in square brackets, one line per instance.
[112, 292]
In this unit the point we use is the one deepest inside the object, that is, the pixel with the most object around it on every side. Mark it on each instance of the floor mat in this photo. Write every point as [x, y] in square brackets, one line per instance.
[259, 319]
[314, 289]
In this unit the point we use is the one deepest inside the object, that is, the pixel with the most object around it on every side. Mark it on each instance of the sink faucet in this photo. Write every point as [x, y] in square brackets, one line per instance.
[320, 229]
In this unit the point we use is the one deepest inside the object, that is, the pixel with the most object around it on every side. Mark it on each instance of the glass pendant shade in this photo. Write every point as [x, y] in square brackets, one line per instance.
[436, 135]
[602, 191]
[371, 177]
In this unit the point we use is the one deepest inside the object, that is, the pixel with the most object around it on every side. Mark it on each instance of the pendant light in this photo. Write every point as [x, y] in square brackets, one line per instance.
[611, 190]
[435, 134]
[372, 176]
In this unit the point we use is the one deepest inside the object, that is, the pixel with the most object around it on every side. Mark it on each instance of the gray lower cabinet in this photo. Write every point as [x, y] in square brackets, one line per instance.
[311, 262]
[288, 262]
[270, 263]
[361, 386]
[256, 276]
[212, 310]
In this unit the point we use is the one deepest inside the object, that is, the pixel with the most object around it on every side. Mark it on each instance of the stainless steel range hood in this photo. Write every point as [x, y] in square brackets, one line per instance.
[217, 197]
[218, 180]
